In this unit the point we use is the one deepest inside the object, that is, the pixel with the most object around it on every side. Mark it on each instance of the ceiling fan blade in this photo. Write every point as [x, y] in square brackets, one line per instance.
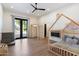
[33, 6]
[40, 9]
[36, 5]
[33, 10]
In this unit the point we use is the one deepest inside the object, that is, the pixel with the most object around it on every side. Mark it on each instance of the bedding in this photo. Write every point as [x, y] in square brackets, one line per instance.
[55, 39]
[71, 40]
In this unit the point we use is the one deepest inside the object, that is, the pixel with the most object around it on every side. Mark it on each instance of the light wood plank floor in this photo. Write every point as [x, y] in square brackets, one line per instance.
[30, 47]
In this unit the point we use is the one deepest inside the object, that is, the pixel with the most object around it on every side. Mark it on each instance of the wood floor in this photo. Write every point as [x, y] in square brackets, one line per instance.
[30, 47]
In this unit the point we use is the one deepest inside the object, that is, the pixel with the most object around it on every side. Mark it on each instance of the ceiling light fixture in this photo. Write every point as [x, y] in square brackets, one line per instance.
[12, 7]
[48, 9]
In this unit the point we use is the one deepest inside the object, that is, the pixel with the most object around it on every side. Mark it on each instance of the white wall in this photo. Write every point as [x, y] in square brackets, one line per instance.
[1, 18]
[8, 20]
[71, 11]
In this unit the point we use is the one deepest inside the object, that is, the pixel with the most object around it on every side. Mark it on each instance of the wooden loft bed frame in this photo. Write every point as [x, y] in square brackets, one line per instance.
[60, 51]
[72, 29]
[62, 31]
[60, 15]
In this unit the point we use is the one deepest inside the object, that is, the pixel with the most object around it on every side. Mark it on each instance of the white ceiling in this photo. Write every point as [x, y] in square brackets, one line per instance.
[26, 8]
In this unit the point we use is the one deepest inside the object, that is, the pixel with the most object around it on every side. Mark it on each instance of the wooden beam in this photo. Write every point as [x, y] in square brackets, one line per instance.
[70, 19]
[55, 22]
[67, 26]
[65, 17]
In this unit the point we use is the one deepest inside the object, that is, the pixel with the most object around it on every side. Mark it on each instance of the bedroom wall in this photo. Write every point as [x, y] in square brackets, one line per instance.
[71, 11]
[1, 19]
[32, 21]
[8, 20]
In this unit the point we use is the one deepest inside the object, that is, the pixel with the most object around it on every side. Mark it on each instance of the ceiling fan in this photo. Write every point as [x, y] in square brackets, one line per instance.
[36, 8]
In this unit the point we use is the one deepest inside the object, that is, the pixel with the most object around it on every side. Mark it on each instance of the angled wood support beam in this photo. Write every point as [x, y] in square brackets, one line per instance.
[67, 26]
[55, 21]
[59, 15]
[70, 19]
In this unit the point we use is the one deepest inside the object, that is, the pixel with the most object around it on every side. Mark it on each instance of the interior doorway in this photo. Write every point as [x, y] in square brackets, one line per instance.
[45, 30]
[21, 27]
[34, 31]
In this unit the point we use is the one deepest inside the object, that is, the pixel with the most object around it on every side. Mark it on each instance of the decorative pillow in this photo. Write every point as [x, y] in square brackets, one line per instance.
[77, 40]
[69, 41]
[65, 38]
[74, 41]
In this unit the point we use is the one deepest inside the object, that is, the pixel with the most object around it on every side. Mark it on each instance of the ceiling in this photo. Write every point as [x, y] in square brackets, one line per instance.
[26, 8]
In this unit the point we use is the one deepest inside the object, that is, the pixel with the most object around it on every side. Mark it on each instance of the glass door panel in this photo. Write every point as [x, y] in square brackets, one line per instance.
[17, 29]
[24, 28]
[21, 26]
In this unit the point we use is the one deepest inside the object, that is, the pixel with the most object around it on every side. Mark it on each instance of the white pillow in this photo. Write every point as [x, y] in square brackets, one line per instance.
[71, 41]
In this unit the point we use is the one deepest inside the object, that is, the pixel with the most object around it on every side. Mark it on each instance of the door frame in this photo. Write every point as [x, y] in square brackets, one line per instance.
[45, 30]
[21, 32]
[34, 26]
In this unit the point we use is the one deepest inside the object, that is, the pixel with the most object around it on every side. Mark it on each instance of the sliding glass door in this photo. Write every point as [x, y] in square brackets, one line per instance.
[17, 29]
[24, 28]
[21, 26]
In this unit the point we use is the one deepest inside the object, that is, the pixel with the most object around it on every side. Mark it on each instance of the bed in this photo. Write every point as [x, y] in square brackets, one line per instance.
[64, 49]
[69, 44]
